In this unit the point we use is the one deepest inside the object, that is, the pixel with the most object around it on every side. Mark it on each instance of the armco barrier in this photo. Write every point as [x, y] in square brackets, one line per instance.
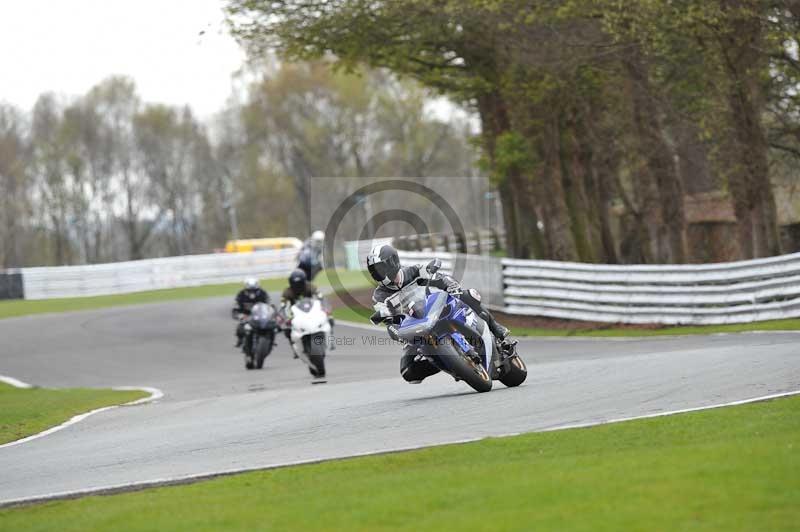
[479, 271]
[734, 292]
[154, 274]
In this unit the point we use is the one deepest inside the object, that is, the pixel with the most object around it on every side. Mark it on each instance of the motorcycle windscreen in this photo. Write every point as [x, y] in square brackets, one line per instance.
[262, 311]
[412, 327]
[262, 314]
[305, 304]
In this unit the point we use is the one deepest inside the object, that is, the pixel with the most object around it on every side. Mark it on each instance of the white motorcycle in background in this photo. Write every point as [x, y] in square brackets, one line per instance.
[310, 329]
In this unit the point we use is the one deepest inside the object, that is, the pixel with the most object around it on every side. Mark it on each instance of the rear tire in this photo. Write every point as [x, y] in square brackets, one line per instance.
[465, 368]
[514, 371]
[315, 349]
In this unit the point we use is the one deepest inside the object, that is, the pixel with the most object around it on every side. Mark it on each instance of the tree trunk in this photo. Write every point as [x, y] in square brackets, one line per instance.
[583, 196]
[523, 236]
[753, 199]
[662, 189]
[558, 222]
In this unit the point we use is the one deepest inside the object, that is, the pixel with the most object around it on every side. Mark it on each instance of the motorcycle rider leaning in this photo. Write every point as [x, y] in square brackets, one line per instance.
[248, 296]
[383, 264]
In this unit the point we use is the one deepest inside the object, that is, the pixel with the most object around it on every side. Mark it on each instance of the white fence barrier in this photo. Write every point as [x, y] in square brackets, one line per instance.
[473, 271]
[706, 294]
[734, 292]
[154, 274]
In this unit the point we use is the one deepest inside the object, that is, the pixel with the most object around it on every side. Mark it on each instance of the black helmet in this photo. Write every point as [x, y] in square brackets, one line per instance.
[297, 282]
[383, 264]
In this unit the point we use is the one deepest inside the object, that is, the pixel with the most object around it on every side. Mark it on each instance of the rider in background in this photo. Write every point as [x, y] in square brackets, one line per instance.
[383, 263]
[300, 287]
[309, 259]
[245, 299]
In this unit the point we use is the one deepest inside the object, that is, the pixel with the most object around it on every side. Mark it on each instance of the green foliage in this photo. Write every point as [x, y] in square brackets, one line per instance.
[513, 155]
[525, 66]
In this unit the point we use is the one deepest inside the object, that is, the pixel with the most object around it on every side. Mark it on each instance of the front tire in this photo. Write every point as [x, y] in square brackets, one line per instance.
[465, 368]
[261, 349]
[315, 349]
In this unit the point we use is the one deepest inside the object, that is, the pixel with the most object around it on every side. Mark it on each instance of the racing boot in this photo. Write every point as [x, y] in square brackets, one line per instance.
[473, 300]
[499, 332]
[507, 344]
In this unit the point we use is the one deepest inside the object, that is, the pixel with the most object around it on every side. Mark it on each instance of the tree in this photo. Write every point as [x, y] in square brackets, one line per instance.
[14, 186]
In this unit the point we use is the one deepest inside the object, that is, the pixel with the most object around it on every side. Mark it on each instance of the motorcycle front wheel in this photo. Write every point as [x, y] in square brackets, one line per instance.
[315, 349]
[261, 349]
[464, 368]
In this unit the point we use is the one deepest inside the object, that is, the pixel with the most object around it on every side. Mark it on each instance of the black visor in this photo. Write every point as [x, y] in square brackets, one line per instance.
[380, 271]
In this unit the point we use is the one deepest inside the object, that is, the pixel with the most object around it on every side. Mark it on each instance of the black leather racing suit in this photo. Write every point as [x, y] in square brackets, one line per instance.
[411, 368]
[245, 299]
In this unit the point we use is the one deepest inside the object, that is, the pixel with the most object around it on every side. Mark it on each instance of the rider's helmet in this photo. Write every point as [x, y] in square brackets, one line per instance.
[297, 281]
[318, 236]
[383, 264]
[251, 283]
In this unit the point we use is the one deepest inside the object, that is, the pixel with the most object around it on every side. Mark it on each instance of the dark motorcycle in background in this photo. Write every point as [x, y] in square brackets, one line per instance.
[260, 330]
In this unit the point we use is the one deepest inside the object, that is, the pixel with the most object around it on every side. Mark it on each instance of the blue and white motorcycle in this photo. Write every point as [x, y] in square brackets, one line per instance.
[451, 336]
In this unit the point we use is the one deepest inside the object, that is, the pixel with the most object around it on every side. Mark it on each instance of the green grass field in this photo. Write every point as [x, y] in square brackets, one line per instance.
[12, 308]
[26, 411]
[736, 468]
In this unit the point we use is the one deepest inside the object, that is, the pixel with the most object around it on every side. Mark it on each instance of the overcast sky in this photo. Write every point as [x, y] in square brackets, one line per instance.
[67, 46]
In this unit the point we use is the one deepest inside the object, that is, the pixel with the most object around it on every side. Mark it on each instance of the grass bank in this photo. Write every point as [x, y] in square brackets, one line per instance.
[27, 411]
[727, 469]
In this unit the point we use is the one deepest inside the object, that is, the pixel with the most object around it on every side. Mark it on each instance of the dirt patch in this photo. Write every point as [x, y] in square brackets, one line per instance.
[540, 322]
[364, 298]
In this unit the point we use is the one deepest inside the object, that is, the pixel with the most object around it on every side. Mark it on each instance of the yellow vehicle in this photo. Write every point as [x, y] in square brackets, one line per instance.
[249, 245]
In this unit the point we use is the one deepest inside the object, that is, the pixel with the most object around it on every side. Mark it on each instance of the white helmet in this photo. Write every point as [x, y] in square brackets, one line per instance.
[318, 235]
[251, 283]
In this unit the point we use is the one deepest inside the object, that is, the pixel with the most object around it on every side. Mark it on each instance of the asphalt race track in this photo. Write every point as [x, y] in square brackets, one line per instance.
[215, 416]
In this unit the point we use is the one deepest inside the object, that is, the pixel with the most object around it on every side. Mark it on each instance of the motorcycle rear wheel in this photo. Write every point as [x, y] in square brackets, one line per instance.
[513, 371]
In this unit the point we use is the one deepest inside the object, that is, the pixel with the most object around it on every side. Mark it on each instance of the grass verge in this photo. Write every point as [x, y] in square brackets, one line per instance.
[611, 331]
[726, 469]
[12, 308]
[27, 411]
[355, 314]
